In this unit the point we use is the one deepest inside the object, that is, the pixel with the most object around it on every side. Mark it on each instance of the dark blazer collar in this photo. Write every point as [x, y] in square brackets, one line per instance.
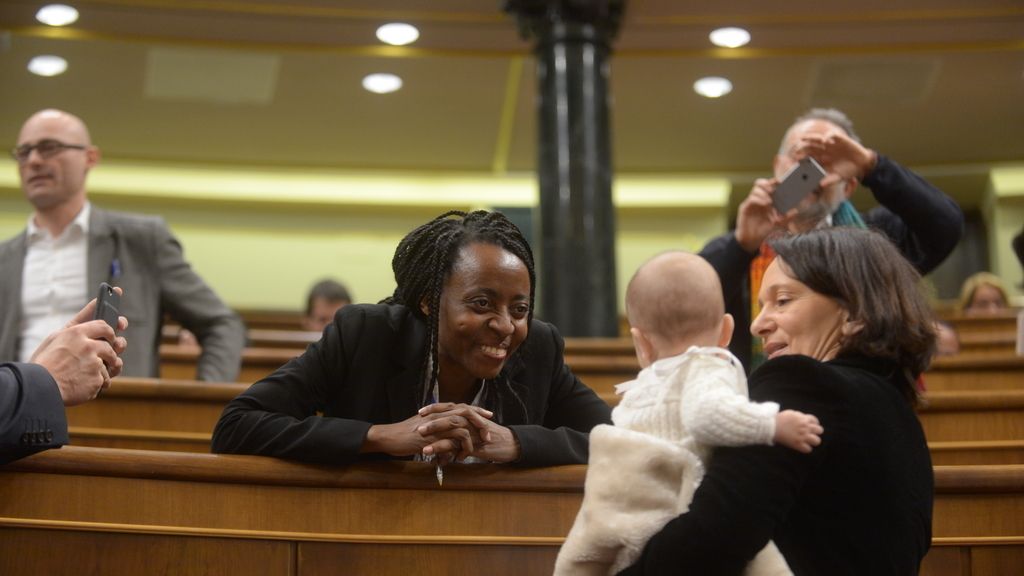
[404, 384]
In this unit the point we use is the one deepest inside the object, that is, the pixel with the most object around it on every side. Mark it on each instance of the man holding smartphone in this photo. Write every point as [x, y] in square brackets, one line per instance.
[70, 246]
[923, 222]
[70, 367]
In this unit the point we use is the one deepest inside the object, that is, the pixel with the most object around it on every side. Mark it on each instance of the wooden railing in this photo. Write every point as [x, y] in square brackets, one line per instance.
[134, 512]
[983, 427]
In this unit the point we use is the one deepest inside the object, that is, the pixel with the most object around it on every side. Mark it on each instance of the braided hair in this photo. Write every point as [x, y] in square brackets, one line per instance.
[425, 257]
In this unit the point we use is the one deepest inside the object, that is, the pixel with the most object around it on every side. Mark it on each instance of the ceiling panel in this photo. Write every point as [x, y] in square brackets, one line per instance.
[933, 83]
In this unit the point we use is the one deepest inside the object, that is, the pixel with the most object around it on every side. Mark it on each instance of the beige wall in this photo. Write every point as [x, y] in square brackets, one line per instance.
[1004, 212]
[264, 253]
[261, 238]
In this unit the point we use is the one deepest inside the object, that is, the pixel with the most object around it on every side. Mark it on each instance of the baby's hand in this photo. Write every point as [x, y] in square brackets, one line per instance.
[797, 430]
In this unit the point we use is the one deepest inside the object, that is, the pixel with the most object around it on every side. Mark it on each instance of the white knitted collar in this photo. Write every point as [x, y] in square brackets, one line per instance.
[664, 366]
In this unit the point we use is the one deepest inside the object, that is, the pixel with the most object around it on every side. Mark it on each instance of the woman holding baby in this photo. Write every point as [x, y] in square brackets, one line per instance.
[846, 331]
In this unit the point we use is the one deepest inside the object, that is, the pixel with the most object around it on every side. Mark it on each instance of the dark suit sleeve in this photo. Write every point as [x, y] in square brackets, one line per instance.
[277, 415]
[747, 491]
[572, 411]
[920, 219]
[731, 262]
[191, 302]
[31, 411]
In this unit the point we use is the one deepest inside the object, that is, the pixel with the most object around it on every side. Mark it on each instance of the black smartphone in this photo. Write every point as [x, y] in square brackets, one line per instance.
[800, 181]
[108, 303]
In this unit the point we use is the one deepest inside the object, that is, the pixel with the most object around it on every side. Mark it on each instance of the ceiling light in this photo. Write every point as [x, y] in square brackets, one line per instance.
[712, 86]
[47, 65]
[397, 34]
[730, 37]
[382, 83]
[57, 15]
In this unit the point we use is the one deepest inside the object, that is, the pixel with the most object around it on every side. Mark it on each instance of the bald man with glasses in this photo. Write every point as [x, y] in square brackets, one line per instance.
[70, 246]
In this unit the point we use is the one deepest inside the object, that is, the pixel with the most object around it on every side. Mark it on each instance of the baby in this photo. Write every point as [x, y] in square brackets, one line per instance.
[690, 397]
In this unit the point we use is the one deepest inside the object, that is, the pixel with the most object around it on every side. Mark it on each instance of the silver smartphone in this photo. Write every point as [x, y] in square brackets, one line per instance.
[796, 184]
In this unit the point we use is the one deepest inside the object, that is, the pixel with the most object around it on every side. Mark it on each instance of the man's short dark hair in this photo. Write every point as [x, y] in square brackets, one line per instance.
[329, 290]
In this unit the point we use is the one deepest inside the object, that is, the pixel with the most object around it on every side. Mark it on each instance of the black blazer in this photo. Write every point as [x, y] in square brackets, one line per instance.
[860, 503]
[31, 411]
[365, 370]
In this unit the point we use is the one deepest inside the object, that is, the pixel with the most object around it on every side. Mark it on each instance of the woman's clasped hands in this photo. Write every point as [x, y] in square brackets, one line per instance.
[447, 431]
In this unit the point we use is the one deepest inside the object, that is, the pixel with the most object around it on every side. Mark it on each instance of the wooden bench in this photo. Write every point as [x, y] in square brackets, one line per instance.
[982, 415]
[1004, 371]
[280, 338]
[259, 337]
[130, 511]
[179, 362]
[176, 415]
[1000, 322]
[997, 372]
[977, 452]
[136, 512]
[978, 516]
[152, 414]
[987, 344]
[962, 418]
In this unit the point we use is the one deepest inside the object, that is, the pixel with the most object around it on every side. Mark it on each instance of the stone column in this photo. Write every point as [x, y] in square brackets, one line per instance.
[577, 224]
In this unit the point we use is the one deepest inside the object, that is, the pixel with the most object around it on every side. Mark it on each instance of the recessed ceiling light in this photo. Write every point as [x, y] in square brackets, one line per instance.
[57, 15]
[397, 34]
[712, 86]
[382, 83]
[47, 65]
[730, 37]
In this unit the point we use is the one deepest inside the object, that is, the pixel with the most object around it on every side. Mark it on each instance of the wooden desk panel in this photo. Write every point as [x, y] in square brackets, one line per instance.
[156, 404]
[252, 493]
[384, 518]
[152, 414]
[84, 553]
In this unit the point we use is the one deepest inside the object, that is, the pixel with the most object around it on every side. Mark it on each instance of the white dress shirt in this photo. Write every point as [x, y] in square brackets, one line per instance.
[53, 286]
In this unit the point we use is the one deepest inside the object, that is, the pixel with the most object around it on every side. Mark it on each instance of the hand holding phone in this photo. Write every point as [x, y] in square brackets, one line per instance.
[107, 303]
[796, 184]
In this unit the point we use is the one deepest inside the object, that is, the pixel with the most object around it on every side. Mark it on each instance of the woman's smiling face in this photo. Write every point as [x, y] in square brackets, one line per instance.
[795, 319]
[484, 313]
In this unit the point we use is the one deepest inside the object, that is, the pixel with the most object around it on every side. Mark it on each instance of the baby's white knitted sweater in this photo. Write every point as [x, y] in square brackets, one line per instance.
[644, 470]
[697, 399]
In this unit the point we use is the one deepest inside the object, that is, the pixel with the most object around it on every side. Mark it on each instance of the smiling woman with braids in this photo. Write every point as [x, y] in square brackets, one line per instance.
[451, 365]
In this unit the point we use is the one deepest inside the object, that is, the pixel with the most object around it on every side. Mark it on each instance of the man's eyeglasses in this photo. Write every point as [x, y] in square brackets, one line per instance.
[45, 148]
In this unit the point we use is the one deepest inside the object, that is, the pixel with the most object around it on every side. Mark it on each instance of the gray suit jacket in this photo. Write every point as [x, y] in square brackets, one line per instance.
[139, 254]
[31, 412]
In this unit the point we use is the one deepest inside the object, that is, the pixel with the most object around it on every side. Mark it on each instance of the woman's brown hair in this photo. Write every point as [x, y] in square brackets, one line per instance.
[880, 289]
